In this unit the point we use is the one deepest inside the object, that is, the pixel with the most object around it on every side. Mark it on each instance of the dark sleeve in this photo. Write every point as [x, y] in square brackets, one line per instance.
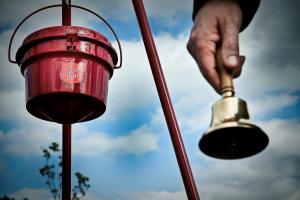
[249, 8]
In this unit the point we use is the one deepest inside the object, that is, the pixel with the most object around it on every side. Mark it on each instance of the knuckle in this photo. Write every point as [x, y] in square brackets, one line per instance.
[192, 40]
[193, 34]
[202, 40]
[202, 46]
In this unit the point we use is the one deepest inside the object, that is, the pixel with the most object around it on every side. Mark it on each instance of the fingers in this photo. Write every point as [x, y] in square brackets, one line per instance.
[208, 68]
[202, 46]
[217, 22]
[230, 43]
[229, 30]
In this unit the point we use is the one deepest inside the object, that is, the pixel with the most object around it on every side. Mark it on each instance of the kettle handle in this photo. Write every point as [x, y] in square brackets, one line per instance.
[59, 5]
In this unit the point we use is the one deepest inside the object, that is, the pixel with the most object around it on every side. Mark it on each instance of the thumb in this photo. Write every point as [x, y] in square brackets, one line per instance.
[230, 45]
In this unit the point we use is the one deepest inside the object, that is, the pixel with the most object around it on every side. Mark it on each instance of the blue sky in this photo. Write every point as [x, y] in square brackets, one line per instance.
[127, 152]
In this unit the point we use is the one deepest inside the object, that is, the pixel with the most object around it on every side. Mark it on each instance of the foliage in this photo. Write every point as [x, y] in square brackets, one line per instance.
[54, 177]
[81, 187]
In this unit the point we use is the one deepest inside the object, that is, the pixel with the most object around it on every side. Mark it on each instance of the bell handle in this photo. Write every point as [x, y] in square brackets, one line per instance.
[227, 89]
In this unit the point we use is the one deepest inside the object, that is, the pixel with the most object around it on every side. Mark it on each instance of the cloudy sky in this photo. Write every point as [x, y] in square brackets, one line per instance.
[127, 152]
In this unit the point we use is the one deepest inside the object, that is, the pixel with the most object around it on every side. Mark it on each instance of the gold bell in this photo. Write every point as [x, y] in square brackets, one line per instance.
[231, 134]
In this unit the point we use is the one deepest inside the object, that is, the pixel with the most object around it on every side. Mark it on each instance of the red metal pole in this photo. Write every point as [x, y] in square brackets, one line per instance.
[66, 129]
[166, 103]
[66, 13]
[66, 162]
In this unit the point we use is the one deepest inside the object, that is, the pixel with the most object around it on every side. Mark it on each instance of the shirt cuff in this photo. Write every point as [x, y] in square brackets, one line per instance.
[249, 8]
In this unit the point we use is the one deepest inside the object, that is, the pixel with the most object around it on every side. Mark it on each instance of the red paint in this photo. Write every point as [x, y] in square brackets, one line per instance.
[63, 84]
[162, 89]
[72, 41]
[66, 161]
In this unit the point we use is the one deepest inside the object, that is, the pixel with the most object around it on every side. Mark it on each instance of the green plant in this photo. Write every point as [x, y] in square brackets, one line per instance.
[53, 174]
[52, 171]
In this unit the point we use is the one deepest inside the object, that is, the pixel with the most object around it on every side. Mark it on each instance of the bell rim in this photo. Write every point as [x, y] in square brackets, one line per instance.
[243, 123]
[251, 129]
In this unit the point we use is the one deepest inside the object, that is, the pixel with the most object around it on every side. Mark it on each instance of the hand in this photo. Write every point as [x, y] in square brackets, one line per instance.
[217, 25]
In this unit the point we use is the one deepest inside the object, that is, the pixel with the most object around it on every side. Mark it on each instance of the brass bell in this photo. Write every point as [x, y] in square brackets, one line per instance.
[231, 134]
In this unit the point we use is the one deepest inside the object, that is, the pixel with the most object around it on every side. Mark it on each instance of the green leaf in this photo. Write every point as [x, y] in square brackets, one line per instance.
[52, 171]
[54, 147]
[47, 155]
[54, 190]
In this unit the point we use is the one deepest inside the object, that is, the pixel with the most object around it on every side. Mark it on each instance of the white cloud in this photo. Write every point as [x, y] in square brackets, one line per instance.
[10, 75]
[189, 91]
[28, 139]
[90, 196]
[138, 142]
[259, 78]
[2, 165]
[165, 11]
[256, 178]
[272, 174]
[32, 194]
[158, 195]
[272, 56]
[10, 11]
[167, 8]
[131, 87]
[266, 104]
[284, 137]
[13, 105]
[44, 194]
